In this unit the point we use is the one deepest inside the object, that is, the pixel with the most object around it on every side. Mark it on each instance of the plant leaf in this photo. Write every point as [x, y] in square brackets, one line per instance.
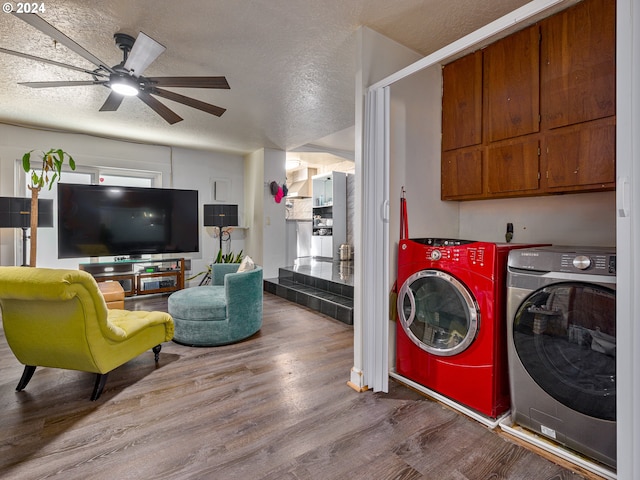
[26, 161]
[53, 179]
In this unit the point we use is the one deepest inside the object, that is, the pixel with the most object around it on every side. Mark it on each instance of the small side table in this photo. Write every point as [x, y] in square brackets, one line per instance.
[113, 294]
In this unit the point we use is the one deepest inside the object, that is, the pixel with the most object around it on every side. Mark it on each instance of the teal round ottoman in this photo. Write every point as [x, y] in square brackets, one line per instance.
[213, 315]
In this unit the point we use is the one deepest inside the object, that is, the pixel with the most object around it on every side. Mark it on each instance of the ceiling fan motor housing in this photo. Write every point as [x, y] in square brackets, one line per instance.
[124, 42]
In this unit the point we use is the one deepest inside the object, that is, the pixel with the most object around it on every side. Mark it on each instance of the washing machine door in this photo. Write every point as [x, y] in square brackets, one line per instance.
[565, 336]
[437, 312]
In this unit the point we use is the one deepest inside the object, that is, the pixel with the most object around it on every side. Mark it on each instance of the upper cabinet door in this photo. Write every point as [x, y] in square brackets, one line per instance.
[582, 157]
[512, 85]
[462, 102]
[578, 64]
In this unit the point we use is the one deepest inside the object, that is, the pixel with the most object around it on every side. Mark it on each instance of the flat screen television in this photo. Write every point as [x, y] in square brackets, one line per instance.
[97, 221]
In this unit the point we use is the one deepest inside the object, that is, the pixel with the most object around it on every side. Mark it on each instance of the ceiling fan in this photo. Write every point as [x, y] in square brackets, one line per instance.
[124, 79]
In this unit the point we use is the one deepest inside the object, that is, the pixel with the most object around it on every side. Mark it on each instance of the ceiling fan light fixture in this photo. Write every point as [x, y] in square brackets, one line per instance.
[125, 78]
[124, 85]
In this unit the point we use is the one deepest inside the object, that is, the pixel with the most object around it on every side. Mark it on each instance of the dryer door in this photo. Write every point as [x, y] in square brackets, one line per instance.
[565, 336]
[437, 312]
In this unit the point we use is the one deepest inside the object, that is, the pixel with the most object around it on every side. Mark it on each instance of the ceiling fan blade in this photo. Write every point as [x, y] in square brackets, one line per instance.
[191, 102]
[51, 62]
[158, 107]
[194, 82]
[48, 29]
[63, 83]
[145, 50]
[112, 103]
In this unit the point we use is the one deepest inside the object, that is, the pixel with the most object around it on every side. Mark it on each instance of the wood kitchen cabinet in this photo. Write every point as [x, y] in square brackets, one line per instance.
[511, 85]
[513, 167]
[462, 102]
[578, 70]
[578, 97]
[548, 110]
[461, 174]
[581, 157]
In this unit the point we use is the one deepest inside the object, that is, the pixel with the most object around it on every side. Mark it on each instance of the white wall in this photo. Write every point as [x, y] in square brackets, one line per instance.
[576, 219]
[254, 203]
[178, 168]
[266, 240]
[274, 231]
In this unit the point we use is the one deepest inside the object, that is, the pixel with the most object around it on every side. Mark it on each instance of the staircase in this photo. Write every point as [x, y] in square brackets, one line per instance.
[317, 288]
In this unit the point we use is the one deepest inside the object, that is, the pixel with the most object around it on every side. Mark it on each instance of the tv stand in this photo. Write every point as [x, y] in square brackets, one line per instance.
[140, 276]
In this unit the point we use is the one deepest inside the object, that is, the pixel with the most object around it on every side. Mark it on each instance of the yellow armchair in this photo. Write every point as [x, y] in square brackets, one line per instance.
[58, 318]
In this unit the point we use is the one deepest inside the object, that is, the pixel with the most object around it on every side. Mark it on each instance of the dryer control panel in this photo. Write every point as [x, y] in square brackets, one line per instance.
[449, 254]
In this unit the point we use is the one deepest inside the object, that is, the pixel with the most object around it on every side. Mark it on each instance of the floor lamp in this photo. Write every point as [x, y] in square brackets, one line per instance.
[219, 215]
[15, 212]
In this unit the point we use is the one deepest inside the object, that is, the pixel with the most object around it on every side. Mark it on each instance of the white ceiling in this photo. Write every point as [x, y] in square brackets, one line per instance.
[291, 65]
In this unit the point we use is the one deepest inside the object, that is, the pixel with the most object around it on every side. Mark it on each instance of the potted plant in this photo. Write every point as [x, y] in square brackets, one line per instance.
[47, 173]
[229, 257]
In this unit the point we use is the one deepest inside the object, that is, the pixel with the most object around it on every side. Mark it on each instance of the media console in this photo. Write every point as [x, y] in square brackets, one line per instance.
[140, 277]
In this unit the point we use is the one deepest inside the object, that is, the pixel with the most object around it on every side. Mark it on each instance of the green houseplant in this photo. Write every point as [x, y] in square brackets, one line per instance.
[46, 172]
[229, 257]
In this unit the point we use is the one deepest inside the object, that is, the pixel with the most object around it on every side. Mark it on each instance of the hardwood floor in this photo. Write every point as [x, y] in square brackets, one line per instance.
[275, 406]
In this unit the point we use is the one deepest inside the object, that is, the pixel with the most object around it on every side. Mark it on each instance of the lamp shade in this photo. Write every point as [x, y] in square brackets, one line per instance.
[15, 212]
[219, 215]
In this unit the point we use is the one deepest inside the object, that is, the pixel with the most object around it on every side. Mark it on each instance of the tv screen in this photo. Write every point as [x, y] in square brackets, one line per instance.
[96, 221]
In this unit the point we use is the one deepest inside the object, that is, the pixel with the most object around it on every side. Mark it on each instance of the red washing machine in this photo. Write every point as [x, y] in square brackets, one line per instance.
[451, 330]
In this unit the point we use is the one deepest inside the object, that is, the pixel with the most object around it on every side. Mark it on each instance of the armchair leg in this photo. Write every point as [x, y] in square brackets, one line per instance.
[101, 380]
[156, 352]
[26, 376]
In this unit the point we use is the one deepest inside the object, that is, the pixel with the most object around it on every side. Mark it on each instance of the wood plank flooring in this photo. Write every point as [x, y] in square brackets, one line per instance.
[275, 406]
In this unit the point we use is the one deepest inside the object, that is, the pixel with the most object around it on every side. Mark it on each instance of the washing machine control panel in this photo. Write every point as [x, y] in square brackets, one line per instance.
[596, 264]
[591, 260]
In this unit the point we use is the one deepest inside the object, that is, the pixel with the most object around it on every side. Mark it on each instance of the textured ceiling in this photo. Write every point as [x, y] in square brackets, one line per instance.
[290, 64]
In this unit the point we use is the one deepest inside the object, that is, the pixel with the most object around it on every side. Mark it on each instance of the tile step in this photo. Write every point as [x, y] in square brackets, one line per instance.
[333, 286]
[325, 301]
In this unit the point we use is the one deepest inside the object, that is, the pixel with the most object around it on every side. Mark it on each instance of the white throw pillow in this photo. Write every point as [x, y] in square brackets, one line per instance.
[246, 264]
